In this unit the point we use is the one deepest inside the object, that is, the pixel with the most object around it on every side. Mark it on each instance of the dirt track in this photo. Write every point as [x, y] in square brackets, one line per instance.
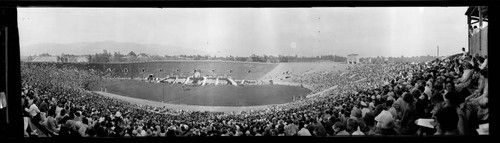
[183, 107]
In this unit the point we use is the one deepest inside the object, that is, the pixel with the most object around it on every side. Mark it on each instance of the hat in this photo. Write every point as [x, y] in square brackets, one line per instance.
[356, 113]
[390, 93]
[390, 98]
[408, 86]
[363, 104]
[372, 105]
[385, 120]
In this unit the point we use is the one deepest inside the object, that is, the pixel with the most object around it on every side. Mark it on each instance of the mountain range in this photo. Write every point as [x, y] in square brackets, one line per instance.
[85, 48]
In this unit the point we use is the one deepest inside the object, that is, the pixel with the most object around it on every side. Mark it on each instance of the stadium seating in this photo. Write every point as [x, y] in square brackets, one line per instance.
[239, 70]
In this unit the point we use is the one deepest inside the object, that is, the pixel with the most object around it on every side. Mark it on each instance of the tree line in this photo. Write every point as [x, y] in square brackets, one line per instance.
[106, 56]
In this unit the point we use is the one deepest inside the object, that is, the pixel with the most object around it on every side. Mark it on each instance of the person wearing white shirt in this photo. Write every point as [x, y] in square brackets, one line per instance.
[32, 111]
[83, 125]
[58, 110]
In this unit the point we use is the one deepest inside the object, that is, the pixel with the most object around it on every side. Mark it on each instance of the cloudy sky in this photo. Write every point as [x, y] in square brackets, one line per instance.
[369, 32]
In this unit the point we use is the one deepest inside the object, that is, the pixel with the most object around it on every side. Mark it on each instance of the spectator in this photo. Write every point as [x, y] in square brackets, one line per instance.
[364, 109]
[476, 30]
[385, 125]
[52, 125]
[484, 64]
[33, 113]
[82, 127]
[319, 129]
[26, 119]
[356, 113]
[303, 130]
[370, 123]
[291, 129]
[340, 129]
[471, 31]
[466, 78]
[464, 53]
[447, 121]
[353, 127]
[422, 106]
[44, 107]
[390, 108]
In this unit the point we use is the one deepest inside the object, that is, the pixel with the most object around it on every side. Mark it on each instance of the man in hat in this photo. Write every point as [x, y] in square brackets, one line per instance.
[385, 124]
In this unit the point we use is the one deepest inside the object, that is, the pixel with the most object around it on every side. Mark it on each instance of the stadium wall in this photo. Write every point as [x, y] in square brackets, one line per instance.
[240, 70]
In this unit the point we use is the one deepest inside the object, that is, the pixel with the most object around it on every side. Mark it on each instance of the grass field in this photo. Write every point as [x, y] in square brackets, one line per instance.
[250, 95]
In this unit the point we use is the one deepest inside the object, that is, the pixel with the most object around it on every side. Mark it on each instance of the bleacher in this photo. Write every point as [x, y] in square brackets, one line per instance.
[237, 70]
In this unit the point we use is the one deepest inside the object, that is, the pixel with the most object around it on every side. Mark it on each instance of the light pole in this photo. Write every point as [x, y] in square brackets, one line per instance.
[438, 51]
[163, 93]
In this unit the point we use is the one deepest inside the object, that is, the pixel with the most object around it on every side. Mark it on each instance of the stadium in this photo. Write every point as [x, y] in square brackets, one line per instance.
[296, 96]
[220, 86]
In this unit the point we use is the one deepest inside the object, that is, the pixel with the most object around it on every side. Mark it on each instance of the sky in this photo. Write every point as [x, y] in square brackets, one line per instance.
[367, 31]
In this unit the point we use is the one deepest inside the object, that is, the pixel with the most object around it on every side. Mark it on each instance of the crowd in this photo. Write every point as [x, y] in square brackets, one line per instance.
[382, 99]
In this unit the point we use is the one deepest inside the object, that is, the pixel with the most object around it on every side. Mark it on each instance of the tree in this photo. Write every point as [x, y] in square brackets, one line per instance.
[118, 57]
[143, 54]
[132, 54]
[45, 55]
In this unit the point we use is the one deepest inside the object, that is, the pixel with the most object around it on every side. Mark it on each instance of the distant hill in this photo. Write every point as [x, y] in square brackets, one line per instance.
[111, 46]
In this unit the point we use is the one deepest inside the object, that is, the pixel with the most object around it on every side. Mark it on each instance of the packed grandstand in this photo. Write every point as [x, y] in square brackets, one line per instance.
[446, 96]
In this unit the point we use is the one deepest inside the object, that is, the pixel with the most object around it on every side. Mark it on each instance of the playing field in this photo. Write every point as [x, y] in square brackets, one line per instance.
[227, 95]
